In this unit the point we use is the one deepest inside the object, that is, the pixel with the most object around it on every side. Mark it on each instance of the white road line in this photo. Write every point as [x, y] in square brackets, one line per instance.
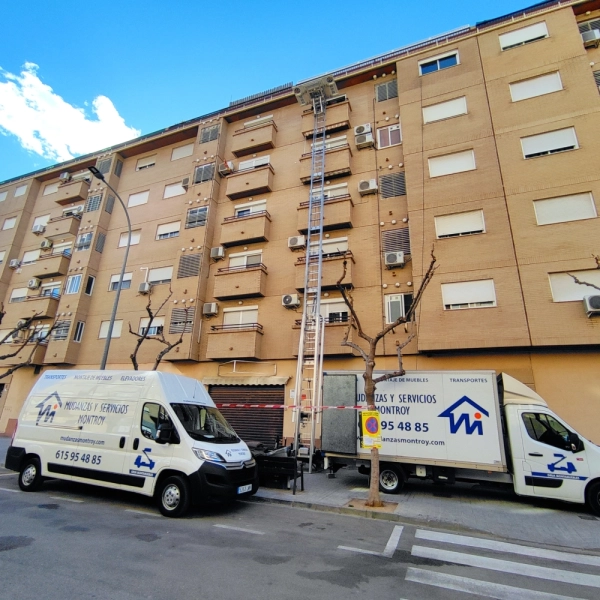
[240, 529]
[66, 499]
[359, 489]
[474, 586]
[9, 490]
[392, 544]
[350, 549]
[463, 540]
[506, 566]
[8, 474]
[142, 512]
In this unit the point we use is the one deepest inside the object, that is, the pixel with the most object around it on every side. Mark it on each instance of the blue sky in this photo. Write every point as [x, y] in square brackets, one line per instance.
[77, 77]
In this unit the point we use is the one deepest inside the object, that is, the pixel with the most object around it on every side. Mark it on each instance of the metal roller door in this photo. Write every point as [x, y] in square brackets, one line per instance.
[252, 424]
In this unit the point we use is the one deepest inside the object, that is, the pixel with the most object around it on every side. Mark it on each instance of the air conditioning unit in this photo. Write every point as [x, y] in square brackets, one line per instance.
[14, 263]
[226, 168]
[290, 300]
[592, 305]
[74, 211]
[591, 38]
[82, 176]
[365, 140]
[38, 229]
[34, 283]
[46, 244]
[65, 177]
[296, 241]
[210, 308]
[367, 186]
[185, 184]
[217, 253]
[394, 259]
[144, 287]
[361, 129]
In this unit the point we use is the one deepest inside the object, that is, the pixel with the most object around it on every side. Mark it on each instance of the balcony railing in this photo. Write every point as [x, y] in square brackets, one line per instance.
[258, 213]
[329, 255]
[238, 327]
[242, 268]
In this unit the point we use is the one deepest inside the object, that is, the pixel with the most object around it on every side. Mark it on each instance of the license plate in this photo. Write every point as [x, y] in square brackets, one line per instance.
[245, 488]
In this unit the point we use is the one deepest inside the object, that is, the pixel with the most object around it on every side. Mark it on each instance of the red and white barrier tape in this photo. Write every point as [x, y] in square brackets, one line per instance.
[281, 406]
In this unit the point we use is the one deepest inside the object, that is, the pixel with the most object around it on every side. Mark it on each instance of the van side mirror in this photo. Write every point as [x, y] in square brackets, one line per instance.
[164, 433]
[576, 443]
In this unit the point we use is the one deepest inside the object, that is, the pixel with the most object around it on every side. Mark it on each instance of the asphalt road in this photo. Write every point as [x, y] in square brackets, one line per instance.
[74, 541]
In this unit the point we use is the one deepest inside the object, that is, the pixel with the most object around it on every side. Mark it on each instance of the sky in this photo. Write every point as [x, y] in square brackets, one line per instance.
[77, 77]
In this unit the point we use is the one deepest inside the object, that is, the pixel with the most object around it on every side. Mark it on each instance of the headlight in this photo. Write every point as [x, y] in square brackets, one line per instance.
[208, 455]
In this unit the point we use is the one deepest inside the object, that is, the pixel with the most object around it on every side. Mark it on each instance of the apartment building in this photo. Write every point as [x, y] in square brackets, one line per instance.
[482, 144]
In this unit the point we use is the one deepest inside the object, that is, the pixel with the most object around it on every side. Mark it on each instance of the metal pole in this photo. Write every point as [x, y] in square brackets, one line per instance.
[111, 323]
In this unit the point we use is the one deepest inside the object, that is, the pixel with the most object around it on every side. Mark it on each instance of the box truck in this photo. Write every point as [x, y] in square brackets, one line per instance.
[461, 426]
[153, 433]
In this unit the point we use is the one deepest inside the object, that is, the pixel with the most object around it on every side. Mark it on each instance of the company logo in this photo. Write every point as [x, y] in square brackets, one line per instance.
[470, 415]
[569, 467]
[48, 407]
[140, 463]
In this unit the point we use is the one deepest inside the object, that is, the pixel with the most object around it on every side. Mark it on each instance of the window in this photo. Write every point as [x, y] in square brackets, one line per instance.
[334, 311]
[589, 25]
[204, 173]
[2, 255]
[116, 332]
[20, 191]
[104, 165]
[331, 191]
[258, 121]
[536, 86]
[89, 285]
[168, 230]
[189, 265]
[564, 289]
[196, 217]
[73, 284]
[396, 240]
[208, 134]
[138, 198]
[182, 320]
[118, 168]
[566, 208]
[83, 242]
[389, 136]
[64, 248]
[3, 196]
[51, 289]
[153, 415]
[78, 331]
[156, 328]
[93, 203]
[547, 430]
[552, 142]
[458, 162]
[331, 143]
[100, 240]
[174, 189]
[387, 90]
[9, 223]
[243, 210]
[466, 223]
[51, 188]
[437, 63]
[18, 295]
[244, 260]
[468, 294]
[335, 247]
[396, 306]
[146, 163]
[61, 330]
[160, 275]
[445, 110]
[240, 317]
[40, 333]
[182, 151]
[525, 35]
[254, 163]
[125, 284]
[43, 220]
[135, 238]
[110, 204]
[30, 257]
[393, 185]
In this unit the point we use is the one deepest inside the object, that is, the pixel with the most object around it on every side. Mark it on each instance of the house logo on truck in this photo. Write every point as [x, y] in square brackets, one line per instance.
[48, 407]
[471, 418]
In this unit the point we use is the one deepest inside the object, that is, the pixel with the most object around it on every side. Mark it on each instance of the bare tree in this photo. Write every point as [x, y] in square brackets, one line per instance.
[368, 356]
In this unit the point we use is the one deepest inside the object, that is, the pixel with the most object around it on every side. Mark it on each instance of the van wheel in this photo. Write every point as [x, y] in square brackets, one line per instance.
[174, 496]
[593, 497]
[391, 479]
[30, 476]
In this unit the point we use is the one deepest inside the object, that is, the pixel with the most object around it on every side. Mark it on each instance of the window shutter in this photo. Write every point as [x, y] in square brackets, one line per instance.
[523, 35]
[61, 331]
[182, 151]
[173, 189]
[468, 292]
[138, 198]
[458, 162]
[589, 25]
[393, 185]
[118, 171]
[146, 162]
[110, 204]
[548, 143]
[387, 90]
[537, 86]
[100, 239]
[51, 188]
[566, 208]
[189, 265]
[180, 321]
[93, 203]
[30, 256]
[396, 240]
[204, 173]
[161, 274]
[20, 191]
[459, 224]
[168, 228]
[104, 165]
[564, 289]
[208, 134]
[445, 110]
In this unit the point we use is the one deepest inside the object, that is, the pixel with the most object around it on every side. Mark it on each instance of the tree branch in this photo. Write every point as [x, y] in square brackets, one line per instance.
[350, 304]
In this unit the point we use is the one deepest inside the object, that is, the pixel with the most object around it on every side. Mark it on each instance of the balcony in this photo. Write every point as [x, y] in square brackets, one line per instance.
[332, 270]
[247, 229]
[240, 282]
[251, 140]
[23, 354]
[337, 118]
[73, 191]
[227, 342]
[337, 214]
[338, 163]
[52, 265]
[43, 307]
[334, 334]
[62, 227]
[251, 182]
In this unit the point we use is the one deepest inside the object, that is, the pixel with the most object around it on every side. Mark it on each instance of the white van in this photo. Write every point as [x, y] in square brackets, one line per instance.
[153, 433]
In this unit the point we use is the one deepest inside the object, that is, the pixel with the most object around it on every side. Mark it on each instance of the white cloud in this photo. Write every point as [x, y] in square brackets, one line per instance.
[47, 125]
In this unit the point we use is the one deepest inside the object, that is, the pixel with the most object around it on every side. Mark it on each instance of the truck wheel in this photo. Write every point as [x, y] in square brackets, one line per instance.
[593, 497]
[174, 496]
[391, 479]
[30, 476]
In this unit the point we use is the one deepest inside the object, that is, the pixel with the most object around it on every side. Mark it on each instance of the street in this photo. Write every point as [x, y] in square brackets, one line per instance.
[70, 540]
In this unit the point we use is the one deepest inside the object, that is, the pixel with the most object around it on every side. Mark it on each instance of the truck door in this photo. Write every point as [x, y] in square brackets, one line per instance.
[550, 464]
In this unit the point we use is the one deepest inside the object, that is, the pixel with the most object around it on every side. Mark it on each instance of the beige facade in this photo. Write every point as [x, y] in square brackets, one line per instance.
[485, 147]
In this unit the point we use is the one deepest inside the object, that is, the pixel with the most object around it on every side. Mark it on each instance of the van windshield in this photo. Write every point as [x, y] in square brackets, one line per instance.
[205, 423]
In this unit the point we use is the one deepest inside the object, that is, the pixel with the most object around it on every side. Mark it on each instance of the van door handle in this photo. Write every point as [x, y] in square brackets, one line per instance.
[136, 443]
[122, 442]
[535, 454]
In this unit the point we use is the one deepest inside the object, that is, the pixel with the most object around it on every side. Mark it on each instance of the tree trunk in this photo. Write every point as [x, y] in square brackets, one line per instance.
[374, 499]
